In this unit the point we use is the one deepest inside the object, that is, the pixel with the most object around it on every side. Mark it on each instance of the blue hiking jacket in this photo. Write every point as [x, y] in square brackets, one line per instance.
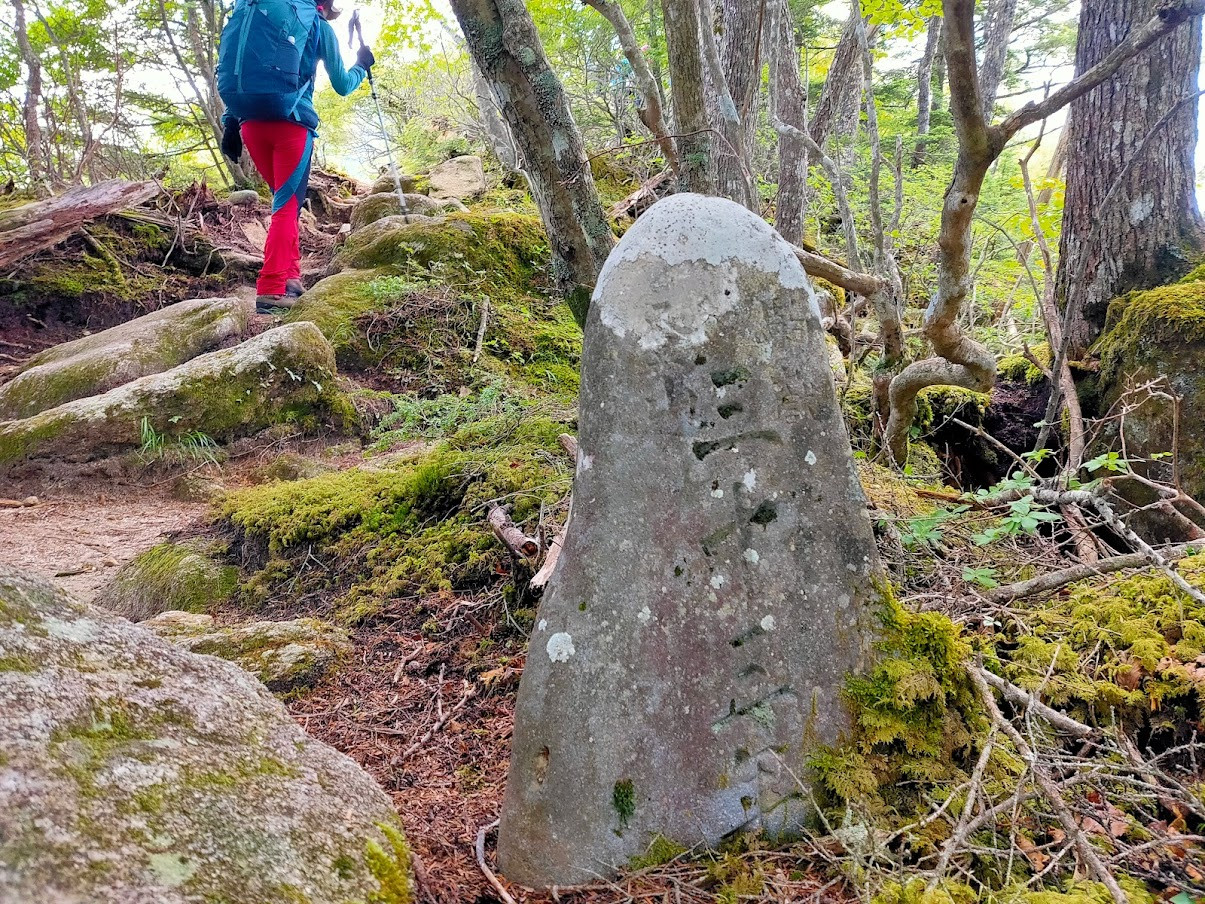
[323, 46]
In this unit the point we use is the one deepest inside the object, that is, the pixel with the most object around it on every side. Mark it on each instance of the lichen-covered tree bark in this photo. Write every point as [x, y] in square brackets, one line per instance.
[684, 42]
[737, 61]
[996, 32]
[1130, 219]
[504, 44]
[34, 149]
[924, 88]
[788, 103]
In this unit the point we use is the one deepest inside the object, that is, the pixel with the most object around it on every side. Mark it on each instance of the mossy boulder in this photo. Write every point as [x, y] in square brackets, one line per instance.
[286, 375]
[1156, 335]
[133, 770]
[385, 184]
[183, 576]
[386, 204]
[286, 656]
[149, 344]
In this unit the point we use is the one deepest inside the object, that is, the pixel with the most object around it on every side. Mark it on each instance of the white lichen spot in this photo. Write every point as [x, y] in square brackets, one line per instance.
[717, 581]
[717, 494]
[585, 463]
[644, 615]
[542, 625]
[810, 458]
[751, 556]
[750, 479]
[721, 391]
[767, 623]
[560, 647]
[1141, 208]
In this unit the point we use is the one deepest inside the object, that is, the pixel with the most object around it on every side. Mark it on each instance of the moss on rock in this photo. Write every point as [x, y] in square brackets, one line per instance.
[287, 656]
[412, 527]
[377, 206]
[186, 576]
[286, 375]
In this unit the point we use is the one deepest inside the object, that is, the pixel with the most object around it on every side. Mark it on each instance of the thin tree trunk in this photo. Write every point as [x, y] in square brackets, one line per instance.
[683, 42]
[730, 154]
[842, 85]
[788, 103]
[503, 41]
[34, 148]
[1151, 229]
[497, 132]
[996, 32]
[650, 110]
[924, 91]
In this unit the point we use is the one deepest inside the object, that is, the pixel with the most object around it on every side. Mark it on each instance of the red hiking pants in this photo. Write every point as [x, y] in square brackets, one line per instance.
[281, 151]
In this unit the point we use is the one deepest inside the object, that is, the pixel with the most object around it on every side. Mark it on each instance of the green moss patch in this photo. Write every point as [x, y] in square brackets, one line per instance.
[187, 577]
[414, 527]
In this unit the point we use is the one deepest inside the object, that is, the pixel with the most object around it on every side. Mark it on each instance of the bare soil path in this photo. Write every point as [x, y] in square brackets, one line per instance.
[78, 538]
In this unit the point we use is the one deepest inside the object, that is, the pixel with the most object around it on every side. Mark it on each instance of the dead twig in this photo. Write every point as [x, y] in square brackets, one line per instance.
[485, 868]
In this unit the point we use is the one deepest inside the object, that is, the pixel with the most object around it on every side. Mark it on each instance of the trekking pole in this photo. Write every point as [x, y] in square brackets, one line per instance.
[354, 30]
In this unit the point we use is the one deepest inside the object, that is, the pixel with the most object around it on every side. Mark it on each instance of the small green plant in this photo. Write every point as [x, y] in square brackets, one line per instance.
[1023, 518]
[984, 576]
[152, 440]
[623, 799]
[415, 418]
[926, 530]
[195, 444]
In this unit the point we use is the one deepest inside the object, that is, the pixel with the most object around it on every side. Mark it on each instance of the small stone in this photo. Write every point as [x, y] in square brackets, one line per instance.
[244, 198]
[30, 501]
[109, 562]
[460, 177]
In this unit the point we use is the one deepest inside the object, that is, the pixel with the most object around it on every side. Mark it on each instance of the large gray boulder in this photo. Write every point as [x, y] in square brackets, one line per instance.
[460, 177]
[149, 344]
[284, 375]
[134, 772]
[719, 577]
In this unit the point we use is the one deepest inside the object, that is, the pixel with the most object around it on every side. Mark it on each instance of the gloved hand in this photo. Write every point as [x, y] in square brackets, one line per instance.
[364, 58]
[232, 139]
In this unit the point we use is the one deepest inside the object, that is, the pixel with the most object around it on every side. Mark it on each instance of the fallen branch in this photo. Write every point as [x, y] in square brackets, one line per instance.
[1045, 583]
[485, 868]
[825, 268]
[443, 720]
[1020, 697]
[520, 545]
[1049, 790]
[30, 228]
[485, 316]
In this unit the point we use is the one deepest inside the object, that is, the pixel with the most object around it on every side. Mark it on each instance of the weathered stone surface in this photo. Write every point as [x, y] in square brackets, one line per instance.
[386, 204]
[1155, 337]
[149, 344]
[285, 656]
[134, 772]
[244, 198]
[170, 576]
[283, 375]
[385, 184]
[460, 177]
[719, 575]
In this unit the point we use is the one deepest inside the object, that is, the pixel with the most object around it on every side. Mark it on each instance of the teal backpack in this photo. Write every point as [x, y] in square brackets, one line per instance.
[260, 55]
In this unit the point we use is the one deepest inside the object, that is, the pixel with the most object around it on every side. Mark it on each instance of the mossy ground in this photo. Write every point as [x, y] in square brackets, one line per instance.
[186, 576]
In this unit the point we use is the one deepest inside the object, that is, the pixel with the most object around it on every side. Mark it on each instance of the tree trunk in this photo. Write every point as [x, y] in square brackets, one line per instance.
[650, 110]
[996, 32]
[788, 102]
[684, 41]
[497, 132]
[34, 148]
[503, 41]
[924, 90]
[28, 229]
[842, 86]
[1129, 222]
[740, 62]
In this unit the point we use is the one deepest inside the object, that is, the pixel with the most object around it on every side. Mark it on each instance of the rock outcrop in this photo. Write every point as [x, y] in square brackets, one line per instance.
[284, 375]
[719, 576]
[385, 183]
[149, 344]
[286, 656]
[386, 204]
[132, 772]
[461, 178]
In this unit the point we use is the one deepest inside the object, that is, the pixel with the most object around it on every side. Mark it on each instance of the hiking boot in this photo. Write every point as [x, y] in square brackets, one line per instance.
[294, 288]
[274, 304]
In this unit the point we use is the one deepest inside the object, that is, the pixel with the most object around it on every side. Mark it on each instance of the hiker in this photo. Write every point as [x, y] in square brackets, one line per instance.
[267, 61]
